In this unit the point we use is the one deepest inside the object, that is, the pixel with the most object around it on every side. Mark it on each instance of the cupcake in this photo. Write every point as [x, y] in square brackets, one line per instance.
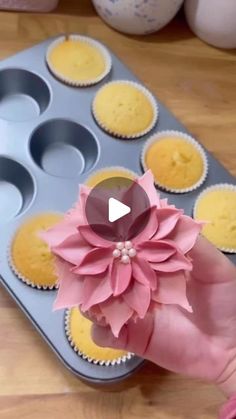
[120, 282]
[78, 332]
[177, 161]
[108, 173]
[217, 206]
[30, 257]
[125, 109]
[78, 60]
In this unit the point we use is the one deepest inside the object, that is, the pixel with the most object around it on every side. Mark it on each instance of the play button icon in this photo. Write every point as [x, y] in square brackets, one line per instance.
[117, 210]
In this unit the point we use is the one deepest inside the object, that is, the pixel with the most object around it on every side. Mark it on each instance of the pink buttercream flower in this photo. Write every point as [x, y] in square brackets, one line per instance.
[119, 282]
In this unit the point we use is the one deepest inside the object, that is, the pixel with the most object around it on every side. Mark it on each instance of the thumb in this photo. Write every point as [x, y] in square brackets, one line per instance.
[104, 337]
[133, 337]
[209, 264]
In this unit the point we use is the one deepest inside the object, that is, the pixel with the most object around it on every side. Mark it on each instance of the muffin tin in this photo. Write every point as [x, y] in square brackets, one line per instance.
[50, 143]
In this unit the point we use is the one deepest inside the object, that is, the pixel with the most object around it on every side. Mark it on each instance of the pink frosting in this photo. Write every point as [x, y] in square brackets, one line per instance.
[110, 291]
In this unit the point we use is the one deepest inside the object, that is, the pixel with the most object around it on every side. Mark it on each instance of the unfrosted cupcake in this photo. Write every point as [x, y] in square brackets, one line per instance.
[217, 206]
[78, 331]
[30, 257]
[78, 60]
[177, 161]
[125, 109]
[109, 173]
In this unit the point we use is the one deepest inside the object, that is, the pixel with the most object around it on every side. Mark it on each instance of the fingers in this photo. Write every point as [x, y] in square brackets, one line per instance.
[209, 264]
[88, 315]
[171, 341]
[134, 337]
[103, 336]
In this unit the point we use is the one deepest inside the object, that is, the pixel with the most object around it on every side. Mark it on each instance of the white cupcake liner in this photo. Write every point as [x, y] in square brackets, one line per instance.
[85, 39]
[149, 96]
[159, 136]
[104, 363]
[216, 187]
[111, 168]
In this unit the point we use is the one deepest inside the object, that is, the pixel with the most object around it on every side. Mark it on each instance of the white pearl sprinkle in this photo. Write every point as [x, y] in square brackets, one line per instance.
[116, 253]
[124, 252]
[132, 253]
[125, 259]
[120, 246]
[128, 245]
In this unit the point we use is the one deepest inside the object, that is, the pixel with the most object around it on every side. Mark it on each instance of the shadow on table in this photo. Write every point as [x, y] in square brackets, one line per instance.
[177, 30]
[148, 374]
[76, 8]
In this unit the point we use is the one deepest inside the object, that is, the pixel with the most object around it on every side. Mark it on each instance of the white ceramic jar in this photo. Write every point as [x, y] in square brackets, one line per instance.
[137, 16]
[214, 21]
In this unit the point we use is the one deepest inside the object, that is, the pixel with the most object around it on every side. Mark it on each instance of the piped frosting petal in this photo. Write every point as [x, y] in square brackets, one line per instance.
[172, 290]
[70, 287]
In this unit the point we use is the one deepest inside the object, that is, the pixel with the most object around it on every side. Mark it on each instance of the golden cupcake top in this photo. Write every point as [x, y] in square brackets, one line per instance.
[78, 329]
[30, 256]
[176, 162]
[125, 109]
[78, 60]
[217, 206]
[109, 173]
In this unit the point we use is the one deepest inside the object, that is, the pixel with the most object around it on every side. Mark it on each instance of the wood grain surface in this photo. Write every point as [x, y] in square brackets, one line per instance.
[196, 82]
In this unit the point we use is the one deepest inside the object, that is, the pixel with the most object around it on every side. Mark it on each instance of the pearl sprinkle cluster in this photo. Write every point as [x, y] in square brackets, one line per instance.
[124, 251]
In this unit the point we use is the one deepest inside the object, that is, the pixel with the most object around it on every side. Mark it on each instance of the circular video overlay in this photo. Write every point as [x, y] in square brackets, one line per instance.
[117, 209]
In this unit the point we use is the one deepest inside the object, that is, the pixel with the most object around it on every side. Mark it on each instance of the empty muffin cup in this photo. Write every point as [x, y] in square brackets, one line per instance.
[63, 148]
[16, 189]
[23, 95]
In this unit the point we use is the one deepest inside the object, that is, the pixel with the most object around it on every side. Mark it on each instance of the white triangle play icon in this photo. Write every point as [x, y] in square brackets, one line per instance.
[117, 210]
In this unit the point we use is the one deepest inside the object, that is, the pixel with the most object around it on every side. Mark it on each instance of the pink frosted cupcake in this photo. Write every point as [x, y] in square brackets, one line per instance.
[118, 283]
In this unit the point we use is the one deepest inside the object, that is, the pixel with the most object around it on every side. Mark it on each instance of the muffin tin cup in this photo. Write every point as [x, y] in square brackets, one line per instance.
[148, 95]
[121, 169]
[216, 187]
[159, 136]
[24, 95]
[90, 41]
[100, 362]
[17, 189]
[57, 142]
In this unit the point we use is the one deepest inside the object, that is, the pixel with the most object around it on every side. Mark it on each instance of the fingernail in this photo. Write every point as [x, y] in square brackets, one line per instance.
[103, 336]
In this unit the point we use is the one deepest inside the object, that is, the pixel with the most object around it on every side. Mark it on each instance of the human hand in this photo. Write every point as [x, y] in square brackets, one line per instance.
[200, 344]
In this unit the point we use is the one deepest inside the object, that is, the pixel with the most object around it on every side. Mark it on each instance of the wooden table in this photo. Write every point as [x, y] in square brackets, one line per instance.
[198, 84]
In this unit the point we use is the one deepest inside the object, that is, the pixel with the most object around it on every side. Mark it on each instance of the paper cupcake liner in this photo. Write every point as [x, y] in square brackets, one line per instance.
[117, 361]
[216, 187]
[149, 96]
[111, 168]
[159, 136]
[86, 39]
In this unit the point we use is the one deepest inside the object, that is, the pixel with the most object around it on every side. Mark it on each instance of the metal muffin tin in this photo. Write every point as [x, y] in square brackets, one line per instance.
[49, 144]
